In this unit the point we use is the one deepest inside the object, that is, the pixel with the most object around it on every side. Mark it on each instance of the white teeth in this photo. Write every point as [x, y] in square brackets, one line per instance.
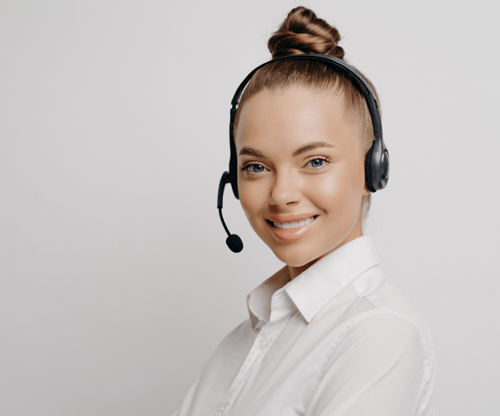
[286, 225]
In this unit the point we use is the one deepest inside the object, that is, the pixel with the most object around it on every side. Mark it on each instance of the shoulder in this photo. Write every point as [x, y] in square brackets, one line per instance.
[381, 361]
[381, 342]
[391, 311]
[386, 330]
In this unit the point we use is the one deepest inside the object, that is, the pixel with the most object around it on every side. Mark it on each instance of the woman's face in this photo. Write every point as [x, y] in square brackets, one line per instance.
[300, 173]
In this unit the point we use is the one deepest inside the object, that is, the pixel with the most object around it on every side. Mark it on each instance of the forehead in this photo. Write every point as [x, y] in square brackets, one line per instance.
[291, 117]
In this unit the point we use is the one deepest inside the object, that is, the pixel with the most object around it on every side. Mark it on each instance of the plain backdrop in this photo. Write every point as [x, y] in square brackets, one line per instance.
[115, 280]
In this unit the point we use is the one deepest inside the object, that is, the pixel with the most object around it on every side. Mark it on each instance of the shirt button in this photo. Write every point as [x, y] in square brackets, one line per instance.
[264, 343]
[220, 413]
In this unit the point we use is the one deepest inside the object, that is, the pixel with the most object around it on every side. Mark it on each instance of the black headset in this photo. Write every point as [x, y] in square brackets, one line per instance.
[377, 157]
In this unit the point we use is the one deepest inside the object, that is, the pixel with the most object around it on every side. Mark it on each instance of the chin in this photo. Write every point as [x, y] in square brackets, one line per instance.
[294, 257]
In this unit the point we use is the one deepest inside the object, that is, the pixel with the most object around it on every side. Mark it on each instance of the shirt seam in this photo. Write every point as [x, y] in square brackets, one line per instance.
[344, 332]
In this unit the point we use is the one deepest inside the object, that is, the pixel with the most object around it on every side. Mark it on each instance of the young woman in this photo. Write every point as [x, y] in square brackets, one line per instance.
[328, 334]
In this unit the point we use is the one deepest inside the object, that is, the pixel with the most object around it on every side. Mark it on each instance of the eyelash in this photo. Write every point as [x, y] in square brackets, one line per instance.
[324, 159]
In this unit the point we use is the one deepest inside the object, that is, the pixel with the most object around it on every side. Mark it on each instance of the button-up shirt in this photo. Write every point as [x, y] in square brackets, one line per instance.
[339, 340]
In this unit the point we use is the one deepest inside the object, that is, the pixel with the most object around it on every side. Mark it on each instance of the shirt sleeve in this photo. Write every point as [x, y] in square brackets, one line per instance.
[188, 399]
[378, 368]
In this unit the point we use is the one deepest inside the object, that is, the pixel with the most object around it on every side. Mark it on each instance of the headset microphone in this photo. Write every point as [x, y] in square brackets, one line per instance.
[376, 159]
[233, 241]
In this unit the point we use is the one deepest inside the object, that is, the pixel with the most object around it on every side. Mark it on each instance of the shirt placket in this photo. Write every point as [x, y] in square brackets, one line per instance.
[280, 316]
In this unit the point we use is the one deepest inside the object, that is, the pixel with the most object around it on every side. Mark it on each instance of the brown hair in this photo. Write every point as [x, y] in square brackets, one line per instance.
[303, 32]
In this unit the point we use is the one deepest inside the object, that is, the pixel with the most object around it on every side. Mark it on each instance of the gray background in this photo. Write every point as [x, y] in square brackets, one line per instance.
[115, 281]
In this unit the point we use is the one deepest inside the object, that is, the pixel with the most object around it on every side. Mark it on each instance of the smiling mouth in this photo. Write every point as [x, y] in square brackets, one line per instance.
[291, 225]
[288, 232]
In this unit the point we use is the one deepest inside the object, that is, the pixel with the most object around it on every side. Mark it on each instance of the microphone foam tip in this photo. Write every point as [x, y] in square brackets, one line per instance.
[234, 243]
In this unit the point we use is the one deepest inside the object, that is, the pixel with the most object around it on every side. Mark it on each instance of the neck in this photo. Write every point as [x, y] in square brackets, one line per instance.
[294, 271]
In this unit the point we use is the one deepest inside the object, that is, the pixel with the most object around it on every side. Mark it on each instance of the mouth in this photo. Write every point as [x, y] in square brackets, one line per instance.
[291, 231]
[291, 225]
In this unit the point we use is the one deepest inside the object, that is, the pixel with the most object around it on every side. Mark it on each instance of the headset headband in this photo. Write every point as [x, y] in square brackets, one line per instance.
[377, 173]
[331, 61]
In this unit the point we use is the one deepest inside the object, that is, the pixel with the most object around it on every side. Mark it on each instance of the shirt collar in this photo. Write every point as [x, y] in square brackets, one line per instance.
[317, 285]
[259, 300]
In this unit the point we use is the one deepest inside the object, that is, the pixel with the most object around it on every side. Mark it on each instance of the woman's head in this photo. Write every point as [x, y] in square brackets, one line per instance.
[286, 106]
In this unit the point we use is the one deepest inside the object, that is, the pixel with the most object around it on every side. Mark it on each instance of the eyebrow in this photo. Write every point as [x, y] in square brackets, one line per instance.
[250, 151]
[310, 146]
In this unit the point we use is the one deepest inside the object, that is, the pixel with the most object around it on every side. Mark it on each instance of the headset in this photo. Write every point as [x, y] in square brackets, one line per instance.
[377, 157]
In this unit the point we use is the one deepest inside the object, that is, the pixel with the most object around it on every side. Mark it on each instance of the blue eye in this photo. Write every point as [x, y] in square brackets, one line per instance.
[254, 168]
[317, 163]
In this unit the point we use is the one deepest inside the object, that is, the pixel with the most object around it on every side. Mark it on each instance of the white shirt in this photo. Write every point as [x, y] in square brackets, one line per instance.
[339, 340]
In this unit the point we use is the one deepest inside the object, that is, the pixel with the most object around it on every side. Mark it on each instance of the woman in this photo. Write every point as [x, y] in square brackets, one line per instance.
[328, 334]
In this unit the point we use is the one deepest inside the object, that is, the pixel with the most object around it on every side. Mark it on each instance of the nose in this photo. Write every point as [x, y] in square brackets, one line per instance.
[285, 191]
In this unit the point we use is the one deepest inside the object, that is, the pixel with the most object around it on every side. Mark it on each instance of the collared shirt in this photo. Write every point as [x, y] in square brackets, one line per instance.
[339, 340]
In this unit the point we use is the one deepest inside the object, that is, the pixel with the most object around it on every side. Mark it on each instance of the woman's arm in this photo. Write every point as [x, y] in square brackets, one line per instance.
[188, 399]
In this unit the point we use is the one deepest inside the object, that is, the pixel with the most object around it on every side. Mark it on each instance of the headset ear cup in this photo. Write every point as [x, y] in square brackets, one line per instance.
[377, 157]
[384, 168]
[233, 168]
[233, 176]
[368, 168]
[377, 166]
[234, 186]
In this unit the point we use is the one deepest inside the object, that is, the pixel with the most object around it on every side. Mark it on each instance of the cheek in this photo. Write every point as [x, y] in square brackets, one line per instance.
[337, 191]
[246, 203]
[252, 206]
[248, 199]
[327, 190]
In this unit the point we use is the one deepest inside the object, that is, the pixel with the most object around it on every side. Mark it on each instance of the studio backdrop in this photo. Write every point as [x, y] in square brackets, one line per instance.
[115, 280]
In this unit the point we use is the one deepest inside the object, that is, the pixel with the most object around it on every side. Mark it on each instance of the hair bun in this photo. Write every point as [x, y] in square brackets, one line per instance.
[303, 32]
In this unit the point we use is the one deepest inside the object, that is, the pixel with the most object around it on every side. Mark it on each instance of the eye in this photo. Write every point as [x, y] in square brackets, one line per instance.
[317, 163]
[253, 168]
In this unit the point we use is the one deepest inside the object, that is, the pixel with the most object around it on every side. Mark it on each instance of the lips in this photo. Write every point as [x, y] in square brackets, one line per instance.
[290, 218]
[290, 234]
[293, 224]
